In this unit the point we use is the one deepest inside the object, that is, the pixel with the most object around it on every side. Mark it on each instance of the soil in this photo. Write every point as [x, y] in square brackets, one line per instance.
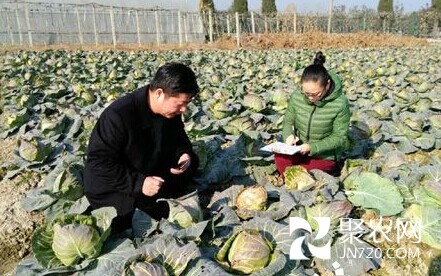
[16, 225]
[322, 40]
[261, 41]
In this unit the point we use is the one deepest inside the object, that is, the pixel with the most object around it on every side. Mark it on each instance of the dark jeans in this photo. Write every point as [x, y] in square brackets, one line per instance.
[173, 187]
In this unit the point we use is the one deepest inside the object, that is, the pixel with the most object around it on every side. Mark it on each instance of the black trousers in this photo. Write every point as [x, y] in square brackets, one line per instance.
[174, 186]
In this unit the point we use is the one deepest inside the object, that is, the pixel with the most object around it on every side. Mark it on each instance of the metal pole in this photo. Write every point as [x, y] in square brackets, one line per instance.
[28, 23]
[20, 34]
[158, 32]
[186, 27]
[201, 25]
[364, 21]
[95, 31]
[112, 23]
[180, 28]
[330, 16]
[266, 25]
[80, 33]
[210, 22]
[237, 30]
[11, 36]
[138, 30]
[228, 25]
[253, 27]
[295, 22]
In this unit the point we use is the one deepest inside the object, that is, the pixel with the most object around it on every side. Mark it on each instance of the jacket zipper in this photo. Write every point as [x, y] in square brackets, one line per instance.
[309, 124]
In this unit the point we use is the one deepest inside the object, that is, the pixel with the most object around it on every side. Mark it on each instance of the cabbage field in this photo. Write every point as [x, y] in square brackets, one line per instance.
[238, 221]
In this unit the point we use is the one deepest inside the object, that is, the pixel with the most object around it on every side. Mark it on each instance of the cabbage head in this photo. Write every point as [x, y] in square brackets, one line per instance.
[220, 110]
[74, 242]
[185, 211]
[252, 198]
[70, 239]
[245, 252]
[16, 119]
[239, 125]
[34, 150]
[69, 182]
[298, 178]
[53, 126]
[254, 102]
[145, 268]
[280, 99]
[27, 100]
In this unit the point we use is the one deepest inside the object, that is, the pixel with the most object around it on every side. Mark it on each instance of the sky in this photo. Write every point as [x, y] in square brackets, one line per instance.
[303, 6]
[322, 5]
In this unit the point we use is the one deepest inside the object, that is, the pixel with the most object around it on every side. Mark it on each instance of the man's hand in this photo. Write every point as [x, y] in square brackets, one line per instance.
[184, 163]
[151, 185]
[292, 140]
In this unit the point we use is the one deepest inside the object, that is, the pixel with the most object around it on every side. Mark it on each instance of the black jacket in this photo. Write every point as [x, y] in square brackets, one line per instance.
[129, 143]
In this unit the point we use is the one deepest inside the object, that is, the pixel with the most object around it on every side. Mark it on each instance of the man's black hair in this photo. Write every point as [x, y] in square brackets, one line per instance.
[175, 78]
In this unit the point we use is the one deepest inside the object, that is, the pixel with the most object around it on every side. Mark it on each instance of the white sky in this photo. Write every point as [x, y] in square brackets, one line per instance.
[253, 5]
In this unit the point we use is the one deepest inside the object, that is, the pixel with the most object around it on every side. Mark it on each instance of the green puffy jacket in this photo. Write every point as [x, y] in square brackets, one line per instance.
[323, 125]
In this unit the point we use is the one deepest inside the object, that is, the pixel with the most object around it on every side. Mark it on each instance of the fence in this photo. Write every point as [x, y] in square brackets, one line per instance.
[36, 24]
[93, 24]
[420, 24]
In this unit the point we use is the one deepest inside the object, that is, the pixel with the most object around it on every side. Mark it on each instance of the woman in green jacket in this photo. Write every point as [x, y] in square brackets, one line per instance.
[317, 119]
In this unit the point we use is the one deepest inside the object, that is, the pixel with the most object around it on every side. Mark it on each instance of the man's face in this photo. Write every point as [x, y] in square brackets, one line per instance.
[171, 106]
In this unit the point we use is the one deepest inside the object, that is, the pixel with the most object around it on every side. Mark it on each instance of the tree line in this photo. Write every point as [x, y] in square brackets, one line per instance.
[240, 6]
[269, 6]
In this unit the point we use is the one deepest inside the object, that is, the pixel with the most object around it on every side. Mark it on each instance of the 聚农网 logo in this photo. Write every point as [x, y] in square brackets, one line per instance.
[322, 252]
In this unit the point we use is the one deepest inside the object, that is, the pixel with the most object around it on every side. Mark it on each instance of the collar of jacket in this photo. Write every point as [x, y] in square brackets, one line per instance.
[146, 115]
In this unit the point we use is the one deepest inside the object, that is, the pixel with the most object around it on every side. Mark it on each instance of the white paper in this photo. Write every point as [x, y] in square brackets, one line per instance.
[279, 147]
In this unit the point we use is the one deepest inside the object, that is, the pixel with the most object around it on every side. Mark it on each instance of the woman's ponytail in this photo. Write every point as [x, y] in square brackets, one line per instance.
[316, 72]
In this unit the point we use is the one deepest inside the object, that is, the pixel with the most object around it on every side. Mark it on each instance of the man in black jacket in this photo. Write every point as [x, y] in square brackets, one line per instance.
[139, 151]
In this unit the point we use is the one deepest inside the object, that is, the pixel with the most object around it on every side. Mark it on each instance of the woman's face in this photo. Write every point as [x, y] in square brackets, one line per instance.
[314, 91]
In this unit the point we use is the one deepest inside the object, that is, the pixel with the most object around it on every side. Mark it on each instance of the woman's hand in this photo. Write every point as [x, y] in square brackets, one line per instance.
[305, 149]
[184, 163]
[292, 140]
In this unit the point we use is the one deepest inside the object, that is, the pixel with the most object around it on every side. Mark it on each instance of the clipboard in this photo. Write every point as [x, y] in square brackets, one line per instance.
[279, 147]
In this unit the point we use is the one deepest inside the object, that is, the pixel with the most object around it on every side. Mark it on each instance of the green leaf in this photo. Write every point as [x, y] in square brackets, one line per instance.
[335, 210]
[38, 199]
[274, 232]
[430, 218]
[111, 262]
[165, 250]
[226, 197]
[204, 266]
[80, 206]
[350, 265]
[192, 232]
[42, 248]
[425, 141]
[405, 145]
[142, 224]
[184, 211]
[371, 191]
